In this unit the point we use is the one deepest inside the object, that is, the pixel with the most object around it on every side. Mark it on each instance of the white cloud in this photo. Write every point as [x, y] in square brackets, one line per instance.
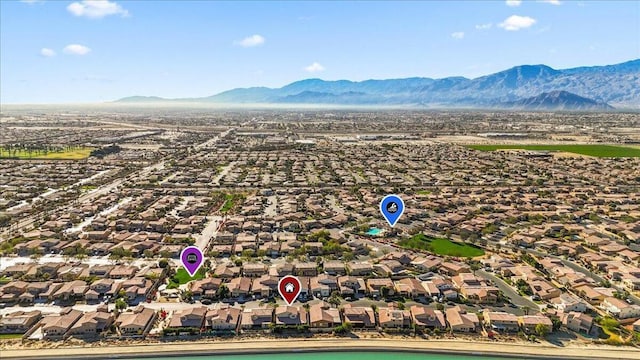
[517, 22]
[96, 9]
[513, 3]
[251, 41]
[552, 2]
[47, 52]
[457, 35]
[484, 26]
[76, 49]
[315, 67]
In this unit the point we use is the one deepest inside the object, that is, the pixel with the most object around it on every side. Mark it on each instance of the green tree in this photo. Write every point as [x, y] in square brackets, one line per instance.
[121, 304]
[385, 291]
[344, 328]
[163, 263]
[542, 330]
[335, 298]
[223, 292]
[609, 323]
[475, 266]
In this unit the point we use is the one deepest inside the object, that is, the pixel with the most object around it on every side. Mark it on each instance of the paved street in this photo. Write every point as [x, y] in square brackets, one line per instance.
[508, 291]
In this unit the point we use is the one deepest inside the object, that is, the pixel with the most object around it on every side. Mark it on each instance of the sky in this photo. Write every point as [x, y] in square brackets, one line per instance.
[95, 51]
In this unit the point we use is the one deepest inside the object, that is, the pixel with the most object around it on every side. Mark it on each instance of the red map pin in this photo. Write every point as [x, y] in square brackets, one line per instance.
[289, 288]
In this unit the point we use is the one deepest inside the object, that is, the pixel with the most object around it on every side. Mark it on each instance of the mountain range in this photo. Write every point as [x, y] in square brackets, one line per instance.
[527, 86]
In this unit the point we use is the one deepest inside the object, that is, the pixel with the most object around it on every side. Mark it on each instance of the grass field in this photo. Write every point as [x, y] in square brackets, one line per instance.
[441, 246]
[586, 149]
[230, 201]
[183, 276]
[71, 154]
[10, 336]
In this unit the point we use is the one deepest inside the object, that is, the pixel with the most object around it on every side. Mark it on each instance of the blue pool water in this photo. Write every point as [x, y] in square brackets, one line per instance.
[374, 231]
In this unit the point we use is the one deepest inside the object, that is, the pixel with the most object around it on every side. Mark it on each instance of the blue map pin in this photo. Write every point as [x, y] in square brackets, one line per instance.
[392, 208]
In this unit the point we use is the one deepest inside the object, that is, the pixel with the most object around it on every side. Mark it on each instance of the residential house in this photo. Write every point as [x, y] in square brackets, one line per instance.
[427, 318]
[350, 286]
[394, 318]
[544, 290]
[460, 320]
[105, 287]
[476, 289]
[577, 321]
[19, 322]
[205, 288]
[334, 267]
[500, 321]
[323, 317]
[453, 268]
[410, 287]
[360, 317]
[264, 286]
[136, 323]
[71, 290]
[290, 316]
[359, 268]
[54, 327]
[619, 308]
[224, 319]
[91, 324]
[240, 286]
[256, 319]
[378, 287]
[190, 318]
[254, 270]
[137, 289]
[306, 269]
[528, 323]
[569, 303]
[588, 293]
[226, 272]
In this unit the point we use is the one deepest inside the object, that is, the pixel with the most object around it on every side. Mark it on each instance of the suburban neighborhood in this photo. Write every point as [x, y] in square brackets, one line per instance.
[495, 245]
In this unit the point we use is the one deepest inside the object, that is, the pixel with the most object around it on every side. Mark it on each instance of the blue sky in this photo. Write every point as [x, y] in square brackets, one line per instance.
[84, 51]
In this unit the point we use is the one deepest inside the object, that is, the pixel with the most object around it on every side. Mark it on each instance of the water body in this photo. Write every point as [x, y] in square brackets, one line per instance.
[335, 356]
[374, 231]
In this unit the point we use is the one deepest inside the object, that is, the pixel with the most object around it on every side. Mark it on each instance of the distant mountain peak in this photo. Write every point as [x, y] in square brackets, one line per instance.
[558, 100]
[614, 84]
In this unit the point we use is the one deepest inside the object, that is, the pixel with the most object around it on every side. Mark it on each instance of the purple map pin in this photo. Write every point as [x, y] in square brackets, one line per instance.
[191, 258]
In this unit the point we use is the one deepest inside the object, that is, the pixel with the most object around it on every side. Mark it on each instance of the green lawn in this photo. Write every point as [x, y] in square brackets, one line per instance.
[230, 201]
[441, 246]
[586, 149]
[183, 276]
[614, 336]
[71, 154]
[10, 336]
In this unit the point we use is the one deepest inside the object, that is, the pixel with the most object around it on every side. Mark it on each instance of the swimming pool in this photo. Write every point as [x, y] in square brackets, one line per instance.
[374, 231]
